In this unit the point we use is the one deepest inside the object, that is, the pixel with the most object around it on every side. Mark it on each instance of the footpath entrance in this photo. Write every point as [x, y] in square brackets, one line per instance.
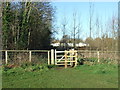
[66, 58]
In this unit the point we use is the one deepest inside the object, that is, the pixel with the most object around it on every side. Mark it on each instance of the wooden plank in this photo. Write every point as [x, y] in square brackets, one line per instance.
[60, 59]
[59, 55]
[26, 50]
[98, 56]
[40, 51]
[48, 57]
[65, 59]
[76, 59]
[60, 51]
[6, 57]
[71, 56]
[30, 56]
[69, 61]
[55, 56]
[52, 56]
[62, 64]
[70, 51]
[96, 51]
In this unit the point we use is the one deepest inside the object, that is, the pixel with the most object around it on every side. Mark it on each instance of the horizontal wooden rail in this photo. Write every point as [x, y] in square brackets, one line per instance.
[60, 51]
[71, 56]
[61, 60]
[26, 50]
[59, 55]
[66, 61]
[70, 51]
[69, 61]
[62, 64]
[64, 51]
[84, 51]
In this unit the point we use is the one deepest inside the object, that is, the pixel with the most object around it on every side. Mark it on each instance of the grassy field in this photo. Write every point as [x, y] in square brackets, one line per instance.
[84, 76]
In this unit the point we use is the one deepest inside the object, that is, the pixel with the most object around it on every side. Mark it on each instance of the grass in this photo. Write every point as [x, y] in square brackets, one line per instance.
[84, 76]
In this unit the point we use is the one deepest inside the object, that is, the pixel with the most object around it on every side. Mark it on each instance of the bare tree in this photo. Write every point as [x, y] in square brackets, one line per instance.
[97, 31]
[64, 31]
[90, 20]
[114, 29]
[79, 26]
[74, 28]
[64, 24]
[91, 11]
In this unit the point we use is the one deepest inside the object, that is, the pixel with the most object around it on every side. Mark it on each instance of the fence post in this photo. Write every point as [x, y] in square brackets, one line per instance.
[30, 56]
[55, 57]
[75, 59]
[115, 55]
[48, 57]
[52, 56]
[71, 58]
[6, 59]
[65, 59]
[98, 54]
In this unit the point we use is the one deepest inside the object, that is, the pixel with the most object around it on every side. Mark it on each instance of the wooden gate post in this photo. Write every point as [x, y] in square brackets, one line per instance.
[29, 56]
[52, 56]
[6, 59]
[55, 57]
[76, 59]
[71, 58]
[98, 54]
[65, 59]
[48, 57]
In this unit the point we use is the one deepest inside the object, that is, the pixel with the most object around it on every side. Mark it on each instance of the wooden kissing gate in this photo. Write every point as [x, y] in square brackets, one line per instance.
[63, 58]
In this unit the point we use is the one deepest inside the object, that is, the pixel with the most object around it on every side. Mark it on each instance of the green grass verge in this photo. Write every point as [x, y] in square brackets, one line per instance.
[84, 76]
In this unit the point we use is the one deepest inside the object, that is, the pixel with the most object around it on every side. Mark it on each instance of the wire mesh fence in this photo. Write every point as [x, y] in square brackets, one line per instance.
[102, 56]
[22, 56]
[44, 56]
